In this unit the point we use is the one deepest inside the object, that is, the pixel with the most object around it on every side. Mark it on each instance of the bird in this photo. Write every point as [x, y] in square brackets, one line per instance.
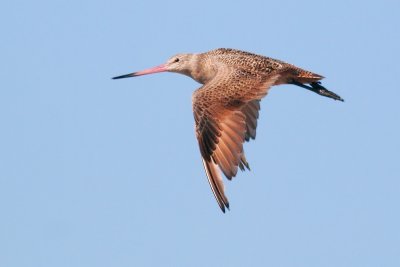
[226, 107]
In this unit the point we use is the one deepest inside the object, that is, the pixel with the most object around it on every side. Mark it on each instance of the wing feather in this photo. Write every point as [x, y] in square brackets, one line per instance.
[250, 110]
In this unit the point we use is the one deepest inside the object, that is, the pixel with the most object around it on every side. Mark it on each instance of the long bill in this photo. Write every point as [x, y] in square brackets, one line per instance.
[160, 68]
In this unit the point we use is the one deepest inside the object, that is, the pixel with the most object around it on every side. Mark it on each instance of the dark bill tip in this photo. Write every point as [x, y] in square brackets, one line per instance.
[125, 76]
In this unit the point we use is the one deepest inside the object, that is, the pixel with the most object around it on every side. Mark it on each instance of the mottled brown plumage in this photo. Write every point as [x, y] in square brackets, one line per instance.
[226, 107]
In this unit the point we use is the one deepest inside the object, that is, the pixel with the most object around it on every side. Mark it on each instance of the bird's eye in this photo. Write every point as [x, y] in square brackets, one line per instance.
[176, 60]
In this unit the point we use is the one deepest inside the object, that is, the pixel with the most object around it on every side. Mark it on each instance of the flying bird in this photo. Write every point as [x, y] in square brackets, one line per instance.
[227, 104]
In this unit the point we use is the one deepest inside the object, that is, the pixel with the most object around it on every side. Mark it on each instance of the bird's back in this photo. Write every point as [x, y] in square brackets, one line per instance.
[260, 65]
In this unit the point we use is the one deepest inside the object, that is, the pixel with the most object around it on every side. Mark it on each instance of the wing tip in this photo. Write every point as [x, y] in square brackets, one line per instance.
[223, 206]
[243, 164]
[213, 176]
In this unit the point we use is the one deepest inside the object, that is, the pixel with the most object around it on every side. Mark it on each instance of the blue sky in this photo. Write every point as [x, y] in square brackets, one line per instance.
[98, 172]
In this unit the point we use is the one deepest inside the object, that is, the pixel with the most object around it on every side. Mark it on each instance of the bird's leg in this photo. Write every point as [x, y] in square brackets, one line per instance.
[316, 87]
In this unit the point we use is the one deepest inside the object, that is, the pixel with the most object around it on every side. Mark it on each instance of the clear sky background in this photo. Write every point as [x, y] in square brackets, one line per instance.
[99, 172]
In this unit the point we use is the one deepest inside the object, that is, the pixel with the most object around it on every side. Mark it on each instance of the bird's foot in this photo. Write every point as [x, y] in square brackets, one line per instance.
[319, 89]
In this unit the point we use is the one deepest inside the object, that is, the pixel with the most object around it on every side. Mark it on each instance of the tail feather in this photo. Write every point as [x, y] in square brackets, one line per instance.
[304, 76]
[293, 73]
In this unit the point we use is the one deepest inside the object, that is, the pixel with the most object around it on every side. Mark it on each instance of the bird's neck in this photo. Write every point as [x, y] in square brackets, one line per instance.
[202, 69]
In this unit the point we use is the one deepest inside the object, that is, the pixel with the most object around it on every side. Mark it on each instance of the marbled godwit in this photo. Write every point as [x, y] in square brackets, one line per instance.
[226, 106]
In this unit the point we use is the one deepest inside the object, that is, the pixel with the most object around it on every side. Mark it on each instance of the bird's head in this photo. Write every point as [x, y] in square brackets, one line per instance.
[180, 63]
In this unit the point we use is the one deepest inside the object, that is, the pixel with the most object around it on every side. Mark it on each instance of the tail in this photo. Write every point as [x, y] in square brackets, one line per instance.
[303, 77]
[292, 73]
[300, 77]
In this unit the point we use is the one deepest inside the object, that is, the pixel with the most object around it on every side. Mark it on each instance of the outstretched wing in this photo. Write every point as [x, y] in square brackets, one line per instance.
[226, 112]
